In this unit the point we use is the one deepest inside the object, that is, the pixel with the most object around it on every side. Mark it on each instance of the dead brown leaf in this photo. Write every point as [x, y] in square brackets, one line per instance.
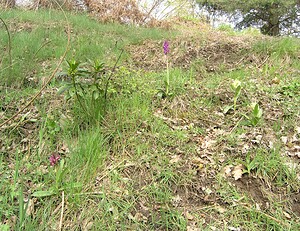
[238, 171]
[189, 216]
[30, 207]
[175, 159]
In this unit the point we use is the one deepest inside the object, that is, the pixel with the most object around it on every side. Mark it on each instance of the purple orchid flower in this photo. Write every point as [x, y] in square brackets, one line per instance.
[54, 158]
[166, 47]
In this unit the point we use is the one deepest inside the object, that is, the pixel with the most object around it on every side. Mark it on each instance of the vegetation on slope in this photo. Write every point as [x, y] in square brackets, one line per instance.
[220, 152]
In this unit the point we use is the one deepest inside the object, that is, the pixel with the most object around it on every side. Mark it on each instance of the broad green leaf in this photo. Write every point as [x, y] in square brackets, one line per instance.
[257, 112]
[71, 92]
[95, 94]
[43, 193]
[62, 89]
[227, 108]
[255, 109]
[254, 121]
[237, 91]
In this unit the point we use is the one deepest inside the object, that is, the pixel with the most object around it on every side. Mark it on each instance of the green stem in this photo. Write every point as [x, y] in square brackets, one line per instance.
[168, 78]
[234, 103]
[111, 73]
[78, 98]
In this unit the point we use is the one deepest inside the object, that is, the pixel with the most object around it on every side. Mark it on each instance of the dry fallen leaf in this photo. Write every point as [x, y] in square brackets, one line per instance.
[220, 209]
[233, 228]
[288, 216]
[275, 80]
[245, 148]
[208, 143]
[88, 226]
[130, 217]
[176, 200]
[227, 170]
[30, 207]
[257, 206]
[189, 216]
[238, 171]
[175, 159]
[284, 139]
[207, 190]
[140, 217]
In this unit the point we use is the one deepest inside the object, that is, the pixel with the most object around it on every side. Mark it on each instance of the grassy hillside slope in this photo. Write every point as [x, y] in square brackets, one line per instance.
[218, 150]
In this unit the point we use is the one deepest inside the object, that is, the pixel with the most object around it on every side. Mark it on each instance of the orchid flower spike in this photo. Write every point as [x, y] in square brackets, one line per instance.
[166, 47]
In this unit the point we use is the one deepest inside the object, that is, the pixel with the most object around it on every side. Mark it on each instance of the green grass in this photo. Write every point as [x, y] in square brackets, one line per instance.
[137, 161]
[38, 41]
[279, 47]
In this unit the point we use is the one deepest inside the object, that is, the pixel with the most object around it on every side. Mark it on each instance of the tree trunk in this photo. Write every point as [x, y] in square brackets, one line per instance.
[272, 25]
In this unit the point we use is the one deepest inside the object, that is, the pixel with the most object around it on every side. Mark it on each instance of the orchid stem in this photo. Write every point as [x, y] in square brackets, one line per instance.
[168, 78]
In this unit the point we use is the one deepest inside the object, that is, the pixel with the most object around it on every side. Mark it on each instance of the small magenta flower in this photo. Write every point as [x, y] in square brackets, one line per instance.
[166, 47]
[54, 158]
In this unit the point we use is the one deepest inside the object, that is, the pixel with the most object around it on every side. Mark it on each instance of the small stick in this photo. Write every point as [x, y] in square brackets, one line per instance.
[62, 210]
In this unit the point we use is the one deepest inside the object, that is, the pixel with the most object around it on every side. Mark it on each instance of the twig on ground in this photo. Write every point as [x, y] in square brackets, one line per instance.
[62, 210]
[104, 174]
[262, 63]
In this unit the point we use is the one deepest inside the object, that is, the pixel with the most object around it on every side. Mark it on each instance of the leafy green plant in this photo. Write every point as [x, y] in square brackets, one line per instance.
[86, 84]
[4, 227]
[22, 209]
[89, 86]
[256, 114]
[227, 28]
[291, 90]
[59, 174]
[79, 76]
[236, 86]
[250, 164]
[51, 128]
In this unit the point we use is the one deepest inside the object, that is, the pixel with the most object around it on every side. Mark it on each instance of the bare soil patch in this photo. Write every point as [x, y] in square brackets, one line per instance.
[215, 51]
[255, 188]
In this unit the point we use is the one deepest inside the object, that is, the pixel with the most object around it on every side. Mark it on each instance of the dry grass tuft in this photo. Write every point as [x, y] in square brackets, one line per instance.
[55, 4]
[124, 11]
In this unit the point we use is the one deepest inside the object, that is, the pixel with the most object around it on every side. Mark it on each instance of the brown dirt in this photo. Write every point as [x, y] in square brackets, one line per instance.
[296, 204]
[216, 51]
[255, 188]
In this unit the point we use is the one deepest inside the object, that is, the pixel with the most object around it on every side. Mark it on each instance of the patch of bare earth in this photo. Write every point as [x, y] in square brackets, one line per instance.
[215, 50]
